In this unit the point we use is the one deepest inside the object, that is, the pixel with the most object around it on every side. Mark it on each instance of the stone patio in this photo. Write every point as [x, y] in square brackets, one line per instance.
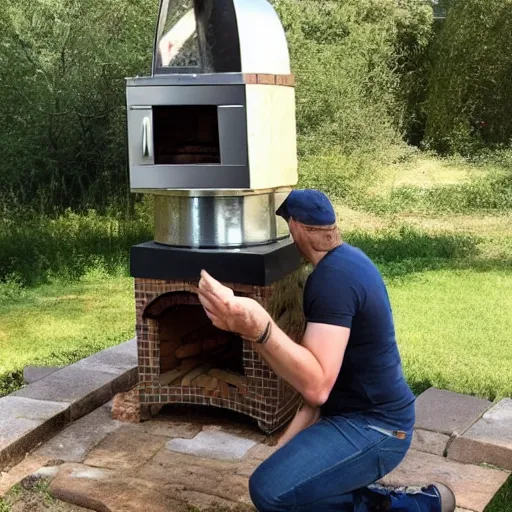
[195, 457]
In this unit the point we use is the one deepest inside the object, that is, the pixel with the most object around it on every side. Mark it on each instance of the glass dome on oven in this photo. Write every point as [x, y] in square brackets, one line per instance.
[197, 36]
[219, 36]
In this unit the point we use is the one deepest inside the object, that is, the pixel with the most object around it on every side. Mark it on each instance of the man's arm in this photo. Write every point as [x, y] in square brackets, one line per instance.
[312, 367]
[305, 417]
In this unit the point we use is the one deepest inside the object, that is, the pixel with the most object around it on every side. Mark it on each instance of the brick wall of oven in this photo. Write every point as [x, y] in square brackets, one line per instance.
[267, 398]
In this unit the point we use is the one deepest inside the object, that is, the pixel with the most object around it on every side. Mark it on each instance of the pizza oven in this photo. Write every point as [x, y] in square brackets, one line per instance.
[212, 137]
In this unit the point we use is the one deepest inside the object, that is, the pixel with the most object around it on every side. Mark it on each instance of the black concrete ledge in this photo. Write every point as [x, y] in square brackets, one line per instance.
[259, 266]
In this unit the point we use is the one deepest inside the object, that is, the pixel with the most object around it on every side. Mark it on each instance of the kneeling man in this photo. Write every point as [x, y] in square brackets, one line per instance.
[357, 420]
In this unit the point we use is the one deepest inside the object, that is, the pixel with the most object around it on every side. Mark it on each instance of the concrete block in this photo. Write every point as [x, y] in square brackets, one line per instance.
[489, 440]
[78, 439]
[474, 486]
[125, 381]
[430, 442]
[35, 373]
[83, 389]
[114, 360]
[447, 412]
[24, 423]
[213, 445]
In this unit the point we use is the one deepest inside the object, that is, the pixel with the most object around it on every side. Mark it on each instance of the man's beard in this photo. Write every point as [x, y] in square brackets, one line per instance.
[299, 250]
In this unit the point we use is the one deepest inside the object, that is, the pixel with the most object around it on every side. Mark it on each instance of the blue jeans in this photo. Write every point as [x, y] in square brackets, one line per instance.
[326, 467]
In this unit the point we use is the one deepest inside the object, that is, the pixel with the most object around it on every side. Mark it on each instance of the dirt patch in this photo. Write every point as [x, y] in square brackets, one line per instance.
[35, 500]
[39, 500]
[423, 173]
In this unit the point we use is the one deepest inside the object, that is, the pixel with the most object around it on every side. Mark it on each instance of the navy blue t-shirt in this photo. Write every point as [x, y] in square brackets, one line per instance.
[346, 289]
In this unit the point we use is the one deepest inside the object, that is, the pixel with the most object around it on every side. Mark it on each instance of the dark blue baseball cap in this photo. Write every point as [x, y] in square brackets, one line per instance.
[310, 207]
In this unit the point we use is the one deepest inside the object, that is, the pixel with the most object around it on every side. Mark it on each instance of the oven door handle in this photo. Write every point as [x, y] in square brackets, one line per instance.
[146, 137]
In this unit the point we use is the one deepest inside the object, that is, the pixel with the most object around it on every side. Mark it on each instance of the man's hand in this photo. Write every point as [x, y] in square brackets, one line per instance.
[240, 315]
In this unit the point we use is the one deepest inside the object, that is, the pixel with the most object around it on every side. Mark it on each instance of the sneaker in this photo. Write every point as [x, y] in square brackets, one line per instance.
[433, 498]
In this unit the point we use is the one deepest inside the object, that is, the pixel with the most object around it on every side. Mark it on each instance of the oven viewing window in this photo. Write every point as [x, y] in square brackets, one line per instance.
[186, 135]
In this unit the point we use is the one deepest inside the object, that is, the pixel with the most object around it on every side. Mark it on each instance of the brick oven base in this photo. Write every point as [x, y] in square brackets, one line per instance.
[254, 390]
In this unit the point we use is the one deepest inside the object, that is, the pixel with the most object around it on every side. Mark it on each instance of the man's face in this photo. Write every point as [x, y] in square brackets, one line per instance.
[298, 236]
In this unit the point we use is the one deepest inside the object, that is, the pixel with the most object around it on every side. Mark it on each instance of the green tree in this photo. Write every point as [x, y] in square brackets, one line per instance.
[469, 101]
[355, 62]
[63, 64]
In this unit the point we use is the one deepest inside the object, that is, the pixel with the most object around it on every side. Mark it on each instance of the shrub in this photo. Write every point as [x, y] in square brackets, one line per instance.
[34, 249]
[344, 54]
[469, 94]
[62, 69]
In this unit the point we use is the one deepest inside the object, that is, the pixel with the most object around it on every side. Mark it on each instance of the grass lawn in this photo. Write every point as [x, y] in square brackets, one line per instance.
[449, 275]
[453, 327]
[503, 500]
[449, 338]
[60, 323]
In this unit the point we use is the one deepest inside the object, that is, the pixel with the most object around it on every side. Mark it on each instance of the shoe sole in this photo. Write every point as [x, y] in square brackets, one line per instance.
[448, 503]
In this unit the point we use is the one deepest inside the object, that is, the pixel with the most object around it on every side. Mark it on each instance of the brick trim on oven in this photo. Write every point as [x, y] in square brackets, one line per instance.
[265, 79]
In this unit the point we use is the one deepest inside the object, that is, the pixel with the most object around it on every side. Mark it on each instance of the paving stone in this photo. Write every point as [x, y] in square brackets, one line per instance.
[35, 373]
[47, 472]
[170, 429]
[24, 423]
[213, 445]
[113, 360]
[83, 389]
[447, 412]
[261, 451]
[126, 448]
[105, 491]
[43, 474]
[489, 440]
[67, 385]
[74, 442]
[216, 478]
[245, 431]
[202, 501]
[474, 486]
[430, 442]
[247, 467]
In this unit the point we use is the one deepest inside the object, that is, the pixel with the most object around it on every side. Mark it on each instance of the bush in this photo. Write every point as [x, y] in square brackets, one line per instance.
[34, 249]
[469, 94]
[62, 115]
[62, 70]
[347, 56]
